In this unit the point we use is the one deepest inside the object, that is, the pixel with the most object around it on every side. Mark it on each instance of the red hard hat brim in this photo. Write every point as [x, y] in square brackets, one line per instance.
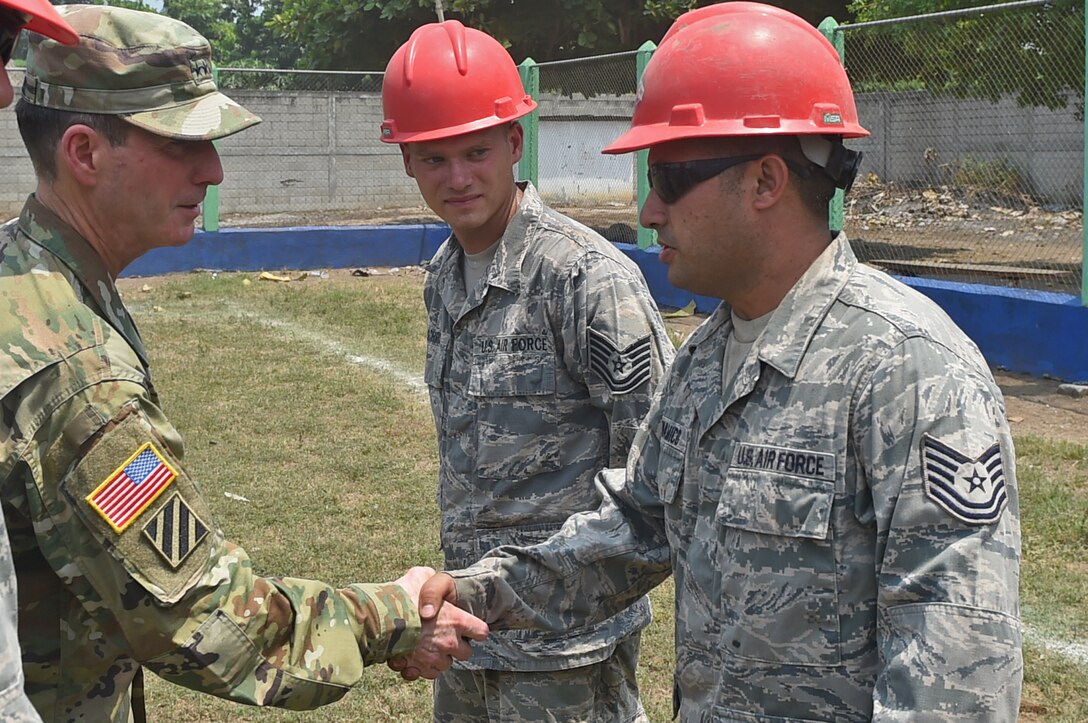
[640, 138]
[527, 106]
[45, 19]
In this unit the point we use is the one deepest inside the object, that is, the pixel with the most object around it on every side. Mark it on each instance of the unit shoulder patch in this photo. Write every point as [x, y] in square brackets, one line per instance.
[146, 514]
[175, 530]
[622, 370]
[970, 489]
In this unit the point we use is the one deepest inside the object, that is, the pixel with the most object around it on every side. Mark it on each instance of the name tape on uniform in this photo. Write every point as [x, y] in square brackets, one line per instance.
[797, 462]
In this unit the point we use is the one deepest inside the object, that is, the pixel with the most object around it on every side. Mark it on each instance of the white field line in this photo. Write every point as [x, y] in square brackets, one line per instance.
[312, 337]
[336, 348]
[1077, 652]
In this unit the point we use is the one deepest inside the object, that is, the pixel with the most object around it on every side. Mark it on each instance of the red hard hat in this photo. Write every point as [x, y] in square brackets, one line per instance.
[44, 19]
[448, 80]
[741, 69]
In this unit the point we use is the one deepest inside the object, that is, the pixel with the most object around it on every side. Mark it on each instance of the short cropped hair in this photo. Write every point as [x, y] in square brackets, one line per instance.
[42, 128]
[815, 191]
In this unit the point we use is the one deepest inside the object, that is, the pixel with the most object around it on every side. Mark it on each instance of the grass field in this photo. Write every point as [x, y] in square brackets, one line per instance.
[307, 425]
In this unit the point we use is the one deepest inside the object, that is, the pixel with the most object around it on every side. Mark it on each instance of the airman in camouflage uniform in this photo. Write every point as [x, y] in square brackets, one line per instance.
[544, 346]
[120, 562]
[828, 471]
[38, 16]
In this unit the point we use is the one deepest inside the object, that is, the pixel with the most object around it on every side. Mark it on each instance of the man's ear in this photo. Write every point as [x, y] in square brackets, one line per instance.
[773, 177]
[516, 137]
[81, 153]
[404, 155]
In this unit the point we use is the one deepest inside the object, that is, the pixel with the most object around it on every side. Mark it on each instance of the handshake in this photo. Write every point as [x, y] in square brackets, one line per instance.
[446, 628]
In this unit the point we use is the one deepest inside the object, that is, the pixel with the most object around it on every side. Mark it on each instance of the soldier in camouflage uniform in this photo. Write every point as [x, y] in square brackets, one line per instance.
[39, 16]
[828, 471]
[120, 562]
[543, 348]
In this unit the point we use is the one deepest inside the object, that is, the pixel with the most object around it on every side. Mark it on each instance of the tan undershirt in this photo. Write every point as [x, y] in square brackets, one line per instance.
[744, 334]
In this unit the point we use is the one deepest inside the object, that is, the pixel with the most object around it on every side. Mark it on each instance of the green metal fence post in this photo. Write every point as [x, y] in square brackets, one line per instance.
[830, 28]
[529, 165]
[210, 208]
[646, 236]
[1084, 190]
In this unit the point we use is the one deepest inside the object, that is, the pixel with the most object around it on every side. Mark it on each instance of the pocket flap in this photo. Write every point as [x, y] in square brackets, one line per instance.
[774, 504]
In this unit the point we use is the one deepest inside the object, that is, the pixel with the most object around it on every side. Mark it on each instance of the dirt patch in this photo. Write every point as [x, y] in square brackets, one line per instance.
[1036, 408]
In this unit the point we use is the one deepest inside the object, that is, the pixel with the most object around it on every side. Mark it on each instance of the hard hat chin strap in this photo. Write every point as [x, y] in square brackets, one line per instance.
[839, 162]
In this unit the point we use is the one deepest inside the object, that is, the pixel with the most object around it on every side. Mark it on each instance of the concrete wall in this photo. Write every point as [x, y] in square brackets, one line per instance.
[320, 150]
[314, 151]
[16, 173]
[920, 138]
[1039, 332]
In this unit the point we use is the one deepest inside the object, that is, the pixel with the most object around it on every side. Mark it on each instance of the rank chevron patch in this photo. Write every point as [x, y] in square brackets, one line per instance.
[972, 490]
[621, 369]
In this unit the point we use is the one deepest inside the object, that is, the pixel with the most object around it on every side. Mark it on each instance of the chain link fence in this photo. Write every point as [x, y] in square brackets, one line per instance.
[322, 81]
[975, 168]
[584, 105]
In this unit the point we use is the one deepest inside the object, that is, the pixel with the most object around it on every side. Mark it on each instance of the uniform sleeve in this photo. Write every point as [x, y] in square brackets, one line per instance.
[937, 457]
[596, 565]
[129, 531]
[618, 345]
[15, 707]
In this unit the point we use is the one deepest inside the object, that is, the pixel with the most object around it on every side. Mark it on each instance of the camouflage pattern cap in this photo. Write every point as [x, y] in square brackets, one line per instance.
[154, 71]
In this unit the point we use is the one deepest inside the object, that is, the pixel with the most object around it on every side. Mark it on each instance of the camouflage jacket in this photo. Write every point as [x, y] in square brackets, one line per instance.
[538, 377]
[15, 707]
[120, 562]
[841, 519]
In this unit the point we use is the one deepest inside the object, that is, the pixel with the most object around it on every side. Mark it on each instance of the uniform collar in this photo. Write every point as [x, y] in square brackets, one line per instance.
[782, 344]
[791, 328]
[513, 244]
[46, 229]
[505, 269]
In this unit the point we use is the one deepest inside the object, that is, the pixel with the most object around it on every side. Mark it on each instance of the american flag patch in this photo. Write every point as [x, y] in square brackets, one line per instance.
[132, 488]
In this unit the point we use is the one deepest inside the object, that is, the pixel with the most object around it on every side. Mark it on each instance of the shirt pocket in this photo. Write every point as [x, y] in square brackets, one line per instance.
[779, 583]
[518, 434]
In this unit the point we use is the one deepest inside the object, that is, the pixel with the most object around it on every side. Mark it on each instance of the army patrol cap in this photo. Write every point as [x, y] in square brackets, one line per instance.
[154, 71]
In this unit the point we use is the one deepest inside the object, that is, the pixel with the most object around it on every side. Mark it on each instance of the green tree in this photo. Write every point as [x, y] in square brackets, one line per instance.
[1034, 54]
[239, 30]
[130, 4]
[363, 34]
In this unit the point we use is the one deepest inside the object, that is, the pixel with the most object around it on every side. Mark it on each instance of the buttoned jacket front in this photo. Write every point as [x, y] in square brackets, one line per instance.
[841, 519]
[538, 378]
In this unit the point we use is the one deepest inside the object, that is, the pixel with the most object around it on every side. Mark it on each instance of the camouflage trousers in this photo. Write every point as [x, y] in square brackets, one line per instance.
[605, 692]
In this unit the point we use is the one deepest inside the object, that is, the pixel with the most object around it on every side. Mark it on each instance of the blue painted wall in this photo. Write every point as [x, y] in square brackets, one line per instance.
[1032, 332]
[313, 247]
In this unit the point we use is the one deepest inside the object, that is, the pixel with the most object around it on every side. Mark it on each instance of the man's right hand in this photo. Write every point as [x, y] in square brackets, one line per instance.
[446, 628]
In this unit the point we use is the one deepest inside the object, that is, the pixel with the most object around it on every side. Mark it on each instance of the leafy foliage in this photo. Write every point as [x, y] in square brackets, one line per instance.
[239, 30]
[1034, 54]
[363, 34]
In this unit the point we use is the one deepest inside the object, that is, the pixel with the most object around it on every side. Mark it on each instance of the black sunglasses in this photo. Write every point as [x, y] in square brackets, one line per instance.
[11, 24]
[673, 180]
